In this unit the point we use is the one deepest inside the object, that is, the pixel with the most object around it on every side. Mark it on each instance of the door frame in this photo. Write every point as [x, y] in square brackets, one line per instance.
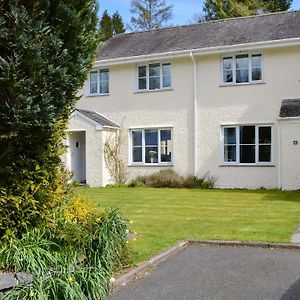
[69, 158]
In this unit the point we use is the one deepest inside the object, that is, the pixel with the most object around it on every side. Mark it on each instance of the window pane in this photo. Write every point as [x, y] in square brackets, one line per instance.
[166, 81]
[242, 68]
[166, 69]
[256, 61]
[265, 135]
[242, 61]
[104, 88]
[264, 153]
[256, 74]
[104, 75]
[137, 154]
[247, 154]
[137, 138]
[247, 135]
[151, 137]
[165, 145]
[230, 154]
[151, 155]
[142, 71]
[154, 83]
[93, 82]
[227, 63]
[229, 136]
[142, 84]
[93, 87]
[154, 70]
[228, 76]
[242, 75]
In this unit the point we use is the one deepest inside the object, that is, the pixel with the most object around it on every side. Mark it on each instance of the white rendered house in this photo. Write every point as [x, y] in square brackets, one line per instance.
[221, 96]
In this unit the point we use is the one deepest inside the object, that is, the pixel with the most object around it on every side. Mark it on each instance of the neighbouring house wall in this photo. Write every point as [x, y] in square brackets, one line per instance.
[290, 153]
[217, 105]
[94, 150]
[244, 104]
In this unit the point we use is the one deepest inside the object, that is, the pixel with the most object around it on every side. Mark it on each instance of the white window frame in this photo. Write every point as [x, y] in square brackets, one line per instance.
[257, 162]
[147, 76]
[143, 163]
[233, 56]
[98, 83]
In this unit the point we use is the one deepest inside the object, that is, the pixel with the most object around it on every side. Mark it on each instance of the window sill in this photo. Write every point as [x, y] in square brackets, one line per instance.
[154, 91]
[241, 84]
[151, 165]
[248, 165]
[97, 95]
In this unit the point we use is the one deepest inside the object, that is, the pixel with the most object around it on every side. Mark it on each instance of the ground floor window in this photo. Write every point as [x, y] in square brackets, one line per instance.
[247, 144]
[151, 146]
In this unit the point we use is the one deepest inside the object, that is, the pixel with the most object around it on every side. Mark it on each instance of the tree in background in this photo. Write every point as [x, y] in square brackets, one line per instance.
[47, 49]
[150, 14]
[106, 26]
[110, 26]
[276, 5]
[117, 24]
[222, 9]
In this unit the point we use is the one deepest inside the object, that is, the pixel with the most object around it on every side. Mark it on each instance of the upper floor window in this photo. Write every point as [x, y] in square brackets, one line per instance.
[154, 76]
[151, 146]
[99, 82]
[242, 68]
[249, 144]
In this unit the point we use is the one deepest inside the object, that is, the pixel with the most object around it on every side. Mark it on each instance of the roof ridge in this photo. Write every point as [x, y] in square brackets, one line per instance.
[207, 22]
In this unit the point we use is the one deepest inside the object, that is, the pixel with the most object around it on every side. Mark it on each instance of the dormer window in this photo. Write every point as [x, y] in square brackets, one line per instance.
[155, 76]
[242, 68]
[99, 82]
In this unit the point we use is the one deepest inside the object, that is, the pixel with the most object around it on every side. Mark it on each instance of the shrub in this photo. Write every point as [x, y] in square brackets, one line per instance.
[169, 178]
[194, 182]
[71, 259]
[51, 42]
[32, 202]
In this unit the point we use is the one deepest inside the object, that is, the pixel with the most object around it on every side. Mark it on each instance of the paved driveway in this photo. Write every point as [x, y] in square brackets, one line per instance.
[204, 272]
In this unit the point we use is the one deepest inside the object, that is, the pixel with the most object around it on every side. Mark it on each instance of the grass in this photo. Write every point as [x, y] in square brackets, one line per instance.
[165, 216]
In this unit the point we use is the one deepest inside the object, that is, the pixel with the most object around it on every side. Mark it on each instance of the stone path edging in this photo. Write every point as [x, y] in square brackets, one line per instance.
[154, 261]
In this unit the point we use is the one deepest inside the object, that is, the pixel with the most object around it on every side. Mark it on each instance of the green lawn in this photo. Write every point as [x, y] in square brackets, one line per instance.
[165, 216]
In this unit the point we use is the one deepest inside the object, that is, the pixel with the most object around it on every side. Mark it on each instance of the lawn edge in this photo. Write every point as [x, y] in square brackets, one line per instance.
[147, 266]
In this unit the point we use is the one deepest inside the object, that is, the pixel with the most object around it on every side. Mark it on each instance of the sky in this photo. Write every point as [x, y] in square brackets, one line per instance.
[183, 10]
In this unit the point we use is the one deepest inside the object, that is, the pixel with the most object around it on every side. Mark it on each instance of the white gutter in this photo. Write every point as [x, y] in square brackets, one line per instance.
[195, 110]
[201, 51]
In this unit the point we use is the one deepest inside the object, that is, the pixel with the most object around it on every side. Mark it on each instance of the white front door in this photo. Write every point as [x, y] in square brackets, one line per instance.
[77, 154]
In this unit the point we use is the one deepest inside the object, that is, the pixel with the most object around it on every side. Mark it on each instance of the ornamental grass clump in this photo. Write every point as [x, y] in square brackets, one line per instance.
[72, 258]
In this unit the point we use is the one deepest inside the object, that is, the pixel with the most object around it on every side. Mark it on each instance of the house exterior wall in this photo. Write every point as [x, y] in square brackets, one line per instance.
[133, 109]
[290, 153]
[217, 105]
[94, 150]
[107, 136]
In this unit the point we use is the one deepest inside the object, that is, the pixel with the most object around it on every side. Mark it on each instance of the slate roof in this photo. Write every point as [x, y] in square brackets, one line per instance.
[98, 118]
[290, 108]
[260, 28]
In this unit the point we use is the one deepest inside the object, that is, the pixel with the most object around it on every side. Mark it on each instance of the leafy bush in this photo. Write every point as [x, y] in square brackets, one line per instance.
[169, 178]
[47, 50]
[205, 182]
[70, 260]
[32, 202]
